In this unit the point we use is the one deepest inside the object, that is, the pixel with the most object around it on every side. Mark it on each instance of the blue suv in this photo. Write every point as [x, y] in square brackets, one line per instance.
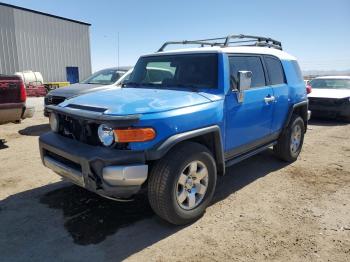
[171, 133]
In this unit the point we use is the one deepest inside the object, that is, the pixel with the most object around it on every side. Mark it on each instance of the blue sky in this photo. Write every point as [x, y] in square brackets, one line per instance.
[316, 32]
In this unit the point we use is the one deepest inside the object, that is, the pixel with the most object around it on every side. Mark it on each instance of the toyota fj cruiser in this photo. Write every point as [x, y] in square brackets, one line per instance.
[171, 136]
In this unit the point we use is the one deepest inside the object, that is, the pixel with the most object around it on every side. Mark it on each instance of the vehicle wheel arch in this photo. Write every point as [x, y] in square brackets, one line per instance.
[300, 109]
[210, 137]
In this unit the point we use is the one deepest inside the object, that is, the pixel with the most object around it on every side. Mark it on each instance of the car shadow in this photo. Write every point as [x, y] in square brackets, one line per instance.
[246, 172]
[89, 219]
[36, 130]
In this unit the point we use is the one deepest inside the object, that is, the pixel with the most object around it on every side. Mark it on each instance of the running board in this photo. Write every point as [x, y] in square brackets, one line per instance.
[249, 154]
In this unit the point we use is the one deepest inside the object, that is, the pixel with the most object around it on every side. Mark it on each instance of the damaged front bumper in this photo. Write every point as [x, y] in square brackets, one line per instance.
[334, 108]
[112, 173]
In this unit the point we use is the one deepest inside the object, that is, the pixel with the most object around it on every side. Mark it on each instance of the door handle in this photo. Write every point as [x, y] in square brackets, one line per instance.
[269, 99]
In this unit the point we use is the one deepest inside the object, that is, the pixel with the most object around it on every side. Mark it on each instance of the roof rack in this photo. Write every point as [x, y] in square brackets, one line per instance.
[236, 40]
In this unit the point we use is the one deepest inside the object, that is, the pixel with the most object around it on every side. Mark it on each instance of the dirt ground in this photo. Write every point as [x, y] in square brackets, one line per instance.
[263, 209]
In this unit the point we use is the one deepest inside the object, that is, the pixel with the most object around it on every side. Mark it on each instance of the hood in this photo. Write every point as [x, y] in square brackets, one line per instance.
[329, 93]
[77, 89]
[128, 101]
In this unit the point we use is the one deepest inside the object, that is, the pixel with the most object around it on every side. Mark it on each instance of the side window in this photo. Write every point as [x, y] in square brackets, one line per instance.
[275, 70]
[247, 63]
[297, 70]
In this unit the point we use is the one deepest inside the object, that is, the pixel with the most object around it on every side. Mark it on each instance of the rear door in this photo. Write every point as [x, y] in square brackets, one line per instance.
[248, 124]
[277, 81]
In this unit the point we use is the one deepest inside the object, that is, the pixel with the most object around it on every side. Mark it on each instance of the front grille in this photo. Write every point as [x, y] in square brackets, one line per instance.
[79, 130]
[84, 131]
[54, 100]
[325, 101]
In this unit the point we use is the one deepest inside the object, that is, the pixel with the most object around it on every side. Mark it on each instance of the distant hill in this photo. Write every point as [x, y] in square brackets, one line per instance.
[326, 73]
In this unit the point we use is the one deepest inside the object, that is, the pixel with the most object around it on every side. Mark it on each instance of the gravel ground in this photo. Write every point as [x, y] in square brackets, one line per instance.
[263, 209]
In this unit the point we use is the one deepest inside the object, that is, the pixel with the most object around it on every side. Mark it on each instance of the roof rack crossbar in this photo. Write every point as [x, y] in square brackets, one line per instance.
[226, 41]
[187, 42]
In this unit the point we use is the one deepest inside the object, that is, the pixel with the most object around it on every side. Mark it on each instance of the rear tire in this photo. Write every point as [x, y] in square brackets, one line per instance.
[291, 140]
[182, 183]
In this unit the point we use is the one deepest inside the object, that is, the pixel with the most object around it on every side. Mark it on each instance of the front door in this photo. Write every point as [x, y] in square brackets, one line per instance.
[72, 74]
[248, 124]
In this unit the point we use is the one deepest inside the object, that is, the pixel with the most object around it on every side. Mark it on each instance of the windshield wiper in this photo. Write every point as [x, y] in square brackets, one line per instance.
[187, 86]
[140, 84]
[131, 83]
[94, 83]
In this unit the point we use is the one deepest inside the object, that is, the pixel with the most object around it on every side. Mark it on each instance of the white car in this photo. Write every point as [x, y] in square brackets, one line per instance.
[330, 97]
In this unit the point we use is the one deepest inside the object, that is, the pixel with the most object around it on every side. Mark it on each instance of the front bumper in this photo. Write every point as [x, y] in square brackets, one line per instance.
[329, 108]
[108, 172]
[308, 115]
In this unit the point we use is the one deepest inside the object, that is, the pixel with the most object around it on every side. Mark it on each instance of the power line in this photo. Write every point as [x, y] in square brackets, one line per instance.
[118, 51]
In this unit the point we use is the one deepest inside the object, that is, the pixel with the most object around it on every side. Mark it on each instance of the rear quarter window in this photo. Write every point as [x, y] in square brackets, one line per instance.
[297, 71]
[275, 70]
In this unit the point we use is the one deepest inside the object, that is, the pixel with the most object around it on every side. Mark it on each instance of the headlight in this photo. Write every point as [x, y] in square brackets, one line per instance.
[54, 122]
[106, 135]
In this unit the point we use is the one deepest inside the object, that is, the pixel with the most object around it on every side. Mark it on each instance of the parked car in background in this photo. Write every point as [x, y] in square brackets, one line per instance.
[13, 97]
[100, 80]
[330, 97]
[171, 132]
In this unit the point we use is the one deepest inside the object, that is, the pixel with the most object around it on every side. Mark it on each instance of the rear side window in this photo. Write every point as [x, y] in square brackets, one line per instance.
[275, 70]
[247, 63]
[297, 70]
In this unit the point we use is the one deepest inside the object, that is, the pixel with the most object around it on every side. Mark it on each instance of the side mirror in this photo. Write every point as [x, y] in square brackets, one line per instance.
[244, 83]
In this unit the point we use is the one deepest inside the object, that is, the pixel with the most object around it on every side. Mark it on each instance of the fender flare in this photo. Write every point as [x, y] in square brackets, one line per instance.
[292, 109]
[161, 149]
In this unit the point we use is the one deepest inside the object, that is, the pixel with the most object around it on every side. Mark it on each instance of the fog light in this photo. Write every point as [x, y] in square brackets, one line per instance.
[54, 122]
[106, 135]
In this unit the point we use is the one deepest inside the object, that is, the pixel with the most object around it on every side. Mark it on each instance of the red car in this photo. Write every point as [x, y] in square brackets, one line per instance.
[13, 100]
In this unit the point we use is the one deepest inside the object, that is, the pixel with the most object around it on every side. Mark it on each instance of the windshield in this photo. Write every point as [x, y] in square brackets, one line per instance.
[124, 78]
[184, 71]
[330, 83]
[104, 77]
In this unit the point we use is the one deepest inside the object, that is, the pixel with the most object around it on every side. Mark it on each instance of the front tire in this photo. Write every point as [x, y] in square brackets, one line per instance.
[182, 183]
[291, 140]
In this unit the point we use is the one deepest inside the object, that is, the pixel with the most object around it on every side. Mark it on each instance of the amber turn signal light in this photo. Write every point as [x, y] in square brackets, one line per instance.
[134, 135]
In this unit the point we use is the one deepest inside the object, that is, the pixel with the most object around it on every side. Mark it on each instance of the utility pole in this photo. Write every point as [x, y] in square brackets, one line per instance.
[118, 51]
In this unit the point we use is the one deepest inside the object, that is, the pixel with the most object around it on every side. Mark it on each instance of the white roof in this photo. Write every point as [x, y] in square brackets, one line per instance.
[332, 77]
[234, 49]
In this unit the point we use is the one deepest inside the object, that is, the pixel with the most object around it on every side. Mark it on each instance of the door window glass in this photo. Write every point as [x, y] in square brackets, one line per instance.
[247, 63]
